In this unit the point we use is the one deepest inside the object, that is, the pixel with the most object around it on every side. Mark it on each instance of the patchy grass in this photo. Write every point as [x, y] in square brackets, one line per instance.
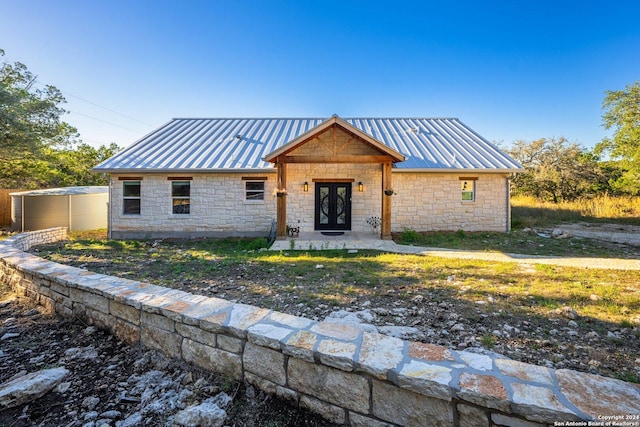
[528, 241]
[429, 293]
[228, 269]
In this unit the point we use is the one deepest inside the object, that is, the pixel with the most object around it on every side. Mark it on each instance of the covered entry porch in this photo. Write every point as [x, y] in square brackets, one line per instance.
[334, 178]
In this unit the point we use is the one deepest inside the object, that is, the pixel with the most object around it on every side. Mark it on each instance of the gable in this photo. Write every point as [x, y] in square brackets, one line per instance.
[335, 141]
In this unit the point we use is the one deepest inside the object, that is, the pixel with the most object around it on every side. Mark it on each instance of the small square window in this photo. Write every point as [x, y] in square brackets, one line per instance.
[131, 197]
[254, 190]
[468, 188]
[181, 197]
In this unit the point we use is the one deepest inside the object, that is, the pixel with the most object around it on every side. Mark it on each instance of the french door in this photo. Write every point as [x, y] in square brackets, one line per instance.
[333, 206]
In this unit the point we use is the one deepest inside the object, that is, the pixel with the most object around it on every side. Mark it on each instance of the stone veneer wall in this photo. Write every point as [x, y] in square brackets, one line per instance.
[432, 202]
[423, 202]
[218, 207]
[343, 372]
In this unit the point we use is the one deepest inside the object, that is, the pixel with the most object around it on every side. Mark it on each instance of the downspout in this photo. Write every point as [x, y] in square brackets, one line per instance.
[22, 214]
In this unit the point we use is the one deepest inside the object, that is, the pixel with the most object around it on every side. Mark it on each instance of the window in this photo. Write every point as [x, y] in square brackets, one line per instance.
[131, 197]
[468, 188]
[254, 190]
[180, 197]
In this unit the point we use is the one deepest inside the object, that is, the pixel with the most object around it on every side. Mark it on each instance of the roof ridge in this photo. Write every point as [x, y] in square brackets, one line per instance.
[316, 118]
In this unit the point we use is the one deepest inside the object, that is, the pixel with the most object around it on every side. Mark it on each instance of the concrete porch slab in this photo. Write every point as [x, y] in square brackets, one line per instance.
[317, 241]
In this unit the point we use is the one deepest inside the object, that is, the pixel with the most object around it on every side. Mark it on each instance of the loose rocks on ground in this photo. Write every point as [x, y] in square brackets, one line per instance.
[59, 372]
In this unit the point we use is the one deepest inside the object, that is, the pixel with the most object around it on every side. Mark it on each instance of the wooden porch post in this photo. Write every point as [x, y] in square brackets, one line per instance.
[387, 183]
[281, 211]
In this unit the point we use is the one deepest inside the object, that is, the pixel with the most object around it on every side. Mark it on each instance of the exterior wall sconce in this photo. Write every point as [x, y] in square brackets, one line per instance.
[360, 187]
[305, 186]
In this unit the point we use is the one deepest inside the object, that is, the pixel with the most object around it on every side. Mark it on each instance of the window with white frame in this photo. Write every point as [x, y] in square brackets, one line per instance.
[254, 191]
[468, 189]
[131, 197]
[181, 197]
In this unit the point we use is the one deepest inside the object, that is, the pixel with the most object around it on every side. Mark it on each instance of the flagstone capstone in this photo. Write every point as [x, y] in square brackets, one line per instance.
[289, 320]
[242, 317]
[428, 379]
[301, 345]
[539, 403]
[203, 309]
[525, 371]
[425, 351]
[338, 354]
[593, 394]
[477, 361]
[483, 390]
[379, 354]
[267, 335]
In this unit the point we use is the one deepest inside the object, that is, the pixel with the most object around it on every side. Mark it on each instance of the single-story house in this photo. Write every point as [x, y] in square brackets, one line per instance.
[197, 177]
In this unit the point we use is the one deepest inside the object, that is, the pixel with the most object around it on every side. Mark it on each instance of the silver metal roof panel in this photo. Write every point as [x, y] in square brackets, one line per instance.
[89, 189]
[210, 144]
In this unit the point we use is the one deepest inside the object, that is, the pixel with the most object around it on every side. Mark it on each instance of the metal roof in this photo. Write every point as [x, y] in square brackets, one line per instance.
[235, 144]
[88, 189]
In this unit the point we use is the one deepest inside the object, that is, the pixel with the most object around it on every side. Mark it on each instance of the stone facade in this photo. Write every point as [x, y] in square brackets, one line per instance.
[422, 202]
[432, 202]
[343, 372]
[218, 207]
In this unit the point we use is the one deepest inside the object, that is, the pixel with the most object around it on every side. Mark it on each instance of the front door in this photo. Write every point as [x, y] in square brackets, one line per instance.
[333, 206]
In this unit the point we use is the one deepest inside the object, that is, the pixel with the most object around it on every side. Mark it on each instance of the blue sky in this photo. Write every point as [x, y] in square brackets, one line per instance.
[508, 69]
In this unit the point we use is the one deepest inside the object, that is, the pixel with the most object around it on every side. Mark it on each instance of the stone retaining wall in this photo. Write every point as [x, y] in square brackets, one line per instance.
[343, 372]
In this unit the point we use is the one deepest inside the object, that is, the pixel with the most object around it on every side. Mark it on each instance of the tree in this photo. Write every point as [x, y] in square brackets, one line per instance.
[57, 168]
[37, 148]
[73, 166]
[622, 113]
[557, 170]
[29, 117]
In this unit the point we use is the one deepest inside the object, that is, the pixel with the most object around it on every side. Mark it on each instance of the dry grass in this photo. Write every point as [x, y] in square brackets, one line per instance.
[531, 212]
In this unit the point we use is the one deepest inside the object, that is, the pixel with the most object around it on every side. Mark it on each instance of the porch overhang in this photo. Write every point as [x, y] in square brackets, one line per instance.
[379, 153]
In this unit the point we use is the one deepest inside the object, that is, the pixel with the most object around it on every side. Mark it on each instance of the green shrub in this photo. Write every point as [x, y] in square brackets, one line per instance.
[409, 236]
[256, 244]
